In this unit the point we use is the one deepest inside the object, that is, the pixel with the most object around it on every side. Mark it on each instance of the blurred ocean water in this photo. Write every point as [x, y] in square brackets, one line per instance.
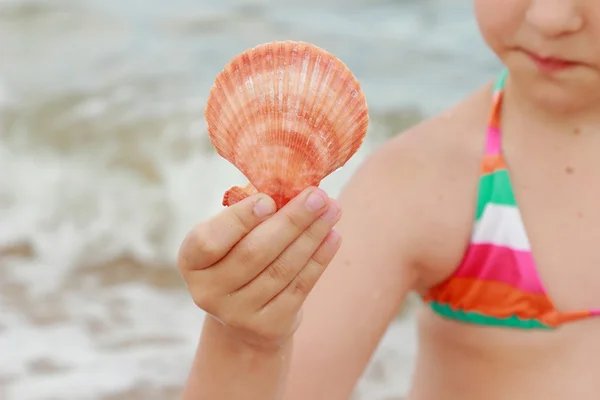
[105, 165]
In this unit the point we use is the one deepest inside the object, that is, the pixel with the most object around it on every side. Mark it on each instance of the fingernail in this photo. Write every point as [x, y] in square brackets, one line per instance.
[334, 237]
[264, 207]
[332, 212]
[315, 201]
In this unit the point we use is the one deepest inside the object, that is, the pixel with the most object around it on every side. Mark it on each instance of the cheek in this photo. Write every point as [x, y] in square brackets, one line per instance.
[499, 21]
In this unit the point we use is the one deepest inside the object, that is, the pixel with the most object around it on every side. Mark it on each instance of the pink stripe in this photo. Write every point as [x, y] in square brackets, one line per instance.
[502, 264]
[595, 313]
[493, 141]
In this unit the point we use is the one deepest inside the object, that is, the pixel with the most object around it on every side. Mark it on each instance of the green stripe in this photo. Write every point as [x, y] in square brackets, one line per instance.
[479, 319]
[495, 188]
[500, 81]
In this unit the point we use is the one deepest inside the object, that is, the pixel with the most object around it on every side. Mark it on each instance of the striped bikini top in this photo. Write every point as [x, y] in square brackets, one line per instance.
[497, 283]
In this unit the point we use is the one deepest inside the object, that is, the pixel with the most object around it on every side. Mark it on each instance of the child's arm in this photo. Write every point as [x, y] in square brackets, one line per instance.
[354, 302]
[226, 369]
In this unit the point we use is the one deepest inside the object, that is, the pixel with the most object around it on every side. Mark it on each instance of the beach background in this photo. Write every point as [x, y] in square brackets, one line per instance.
[105, 165]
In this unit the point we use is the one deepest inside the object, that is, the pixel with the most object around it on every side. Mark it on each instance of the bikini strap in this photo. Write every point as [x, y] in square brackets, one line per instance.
[493, 143]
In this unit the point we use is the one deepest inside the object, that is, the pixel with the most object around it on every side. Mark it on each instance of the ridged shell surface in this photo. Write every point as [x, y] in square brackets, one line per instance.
[286, 114]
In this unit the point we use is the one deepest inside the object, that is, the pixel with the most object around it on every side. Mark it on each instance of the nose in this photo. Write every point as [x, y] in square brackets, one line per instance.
[554, 18]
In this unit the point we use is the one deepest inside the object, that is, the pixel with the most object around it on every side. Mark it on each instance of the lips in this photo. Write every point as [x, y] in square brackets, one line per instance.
[550, 63]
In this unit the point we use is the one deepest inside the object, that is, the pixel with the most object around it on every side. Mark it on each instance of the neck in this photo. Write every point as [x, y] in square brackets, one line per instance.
[544, 116]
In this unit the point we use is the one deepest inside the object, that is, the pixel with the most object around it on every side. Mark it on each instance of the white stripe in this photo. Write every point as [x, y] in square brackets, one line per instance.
[501, 225]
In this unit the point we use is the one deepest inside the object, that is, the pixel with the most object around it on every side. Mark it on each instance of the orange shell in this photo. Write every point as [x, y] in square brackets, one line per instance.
[286, 114]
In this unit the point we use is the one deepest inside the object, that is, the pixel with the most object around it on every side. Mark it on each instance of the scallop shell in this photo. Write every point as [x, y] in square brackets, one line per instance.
[286, 114]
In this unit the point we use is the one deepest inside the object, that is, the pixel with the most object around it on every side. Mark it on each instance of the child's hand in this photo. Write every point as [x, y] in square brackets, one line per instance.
[252, 269]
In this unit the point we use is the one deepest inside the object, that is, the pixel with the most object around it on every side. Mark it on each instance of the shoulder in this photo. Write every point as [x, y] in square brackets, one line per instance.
[418, 191]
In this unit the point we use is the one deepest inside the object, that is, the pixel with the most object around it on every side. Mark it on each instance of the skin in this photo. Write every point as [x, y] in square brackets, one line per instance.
[407, 218]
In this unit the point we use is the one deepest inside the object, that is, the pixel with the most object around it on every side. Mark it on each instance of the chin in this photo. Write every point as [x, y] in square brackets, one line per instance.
[558, 91]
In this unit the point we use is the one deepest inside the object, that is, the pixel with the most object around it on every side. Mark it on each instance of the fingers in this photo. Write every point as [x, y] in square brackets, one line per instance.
[267, 241]
[290, 299]
[252, 269]
[279, 317]
[277, 276]
[208, 242]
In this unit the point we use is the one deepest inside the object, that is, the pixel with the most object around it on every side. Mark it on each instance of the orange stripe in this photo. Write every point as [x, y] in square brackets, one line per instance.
[492, 163]
[572, 316]
[494, 120]
[495, 299]
[500, 300]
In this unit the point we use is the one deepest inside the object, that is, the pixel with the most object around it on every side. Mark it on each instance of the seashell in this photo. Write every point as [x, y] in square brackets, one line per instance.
[286, 114]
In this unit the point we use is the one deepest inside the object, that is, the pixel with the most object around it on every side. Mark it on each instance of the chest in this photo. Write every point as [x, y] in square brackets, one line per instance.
[559, 201]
